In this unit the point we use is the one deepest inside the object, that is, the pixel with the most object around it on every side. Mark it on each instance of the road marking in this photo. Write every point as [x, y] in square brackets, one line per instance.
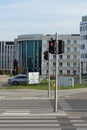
[2, 97]
[71, 117]
[29, 97]
[59, 113]
[79, 125]
[27, 113]
[30, 121]
[39, 98]
[29, 125]
[76, 121]
[14, 114]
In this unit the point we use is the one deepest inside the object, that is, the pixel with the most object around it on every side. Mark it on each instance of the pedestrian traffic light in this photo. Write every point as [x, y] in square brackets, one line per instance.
[52, 47]
[46, 55]
[60, 46]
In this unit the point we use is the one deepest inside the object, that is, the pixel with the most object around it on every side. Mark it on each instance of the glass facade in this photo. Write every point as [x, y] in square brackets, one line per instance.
[30, 55]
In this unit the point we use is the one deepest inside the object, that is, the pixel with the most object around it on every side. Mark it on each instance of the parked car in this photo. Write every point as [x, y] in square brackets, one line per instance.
[18, 79]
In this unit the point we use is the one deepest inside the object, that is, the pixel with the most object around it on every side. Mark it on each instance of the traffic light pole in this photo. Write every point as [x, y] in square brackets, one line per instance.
[56, 74]
[49, 75]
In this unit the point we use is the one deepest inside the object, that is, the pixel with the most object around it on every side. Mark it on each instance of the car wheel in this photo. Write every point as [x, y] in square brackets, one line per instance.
[15, 83]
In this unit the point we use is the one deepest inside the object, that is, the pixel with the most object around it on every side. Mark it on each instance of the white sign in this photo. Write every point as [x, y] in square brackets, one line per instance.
[34, 77]
[66, 81]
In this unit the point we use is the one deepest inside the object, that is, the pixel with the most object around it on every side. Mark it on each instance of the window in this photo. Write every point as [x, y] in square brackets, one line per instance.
[82, 55]
[74, 64]
[75, 41]
[83, 46]
[68, 72]
[83, 28]
[74, 72]
[75, 57]
[68, 49]
[21, 77]
[60, 72]
[68, 56]
[47, 64]
[86, 55]
[74, 49]
[68, 64]
[84, 37]
[54, 57]
[80, 28]
[60, 57]
[54, 65]
[68, 41]
[60, 64]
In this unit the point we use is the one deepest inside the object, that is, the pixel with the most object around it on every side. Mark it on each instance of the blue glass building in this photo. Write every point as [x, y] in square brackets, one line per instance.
[29, 52]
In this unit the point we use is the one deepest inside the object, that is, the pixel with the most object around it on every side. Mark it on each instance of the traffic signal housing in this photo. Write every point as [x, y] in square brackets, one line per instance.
[46, 55]
[60, 46]
[52, 46]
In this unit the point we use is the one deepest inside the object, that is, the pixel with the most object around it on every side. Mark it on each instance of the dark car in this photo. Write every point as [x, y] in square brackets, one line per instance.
[18, 79]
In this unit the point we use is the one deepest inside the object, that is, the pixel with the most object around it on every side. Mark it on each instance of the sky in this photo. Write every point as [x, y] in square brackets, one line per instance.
[18, 17]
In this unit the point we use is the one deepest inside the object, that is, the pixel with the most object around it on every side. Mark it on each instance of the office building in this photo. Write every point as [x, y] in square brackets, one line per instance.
[69, 62]
[30, 54]
[6, 56]
[83, 35]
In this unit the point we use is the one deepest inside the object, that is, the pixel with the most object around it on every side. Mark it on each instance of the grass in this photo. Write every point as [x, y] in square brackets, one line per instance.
[43, 86]
[76, 86]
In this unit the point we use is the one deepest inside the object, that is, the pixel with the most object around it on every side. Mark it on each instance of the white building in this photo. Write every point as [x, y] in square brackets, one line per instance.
[69, 62]
[6, 55]
[83, 34]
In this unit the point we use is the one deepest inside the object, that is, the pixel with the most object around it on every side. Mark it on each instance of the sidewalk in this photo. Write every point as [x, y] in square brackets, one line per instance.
[3, 80]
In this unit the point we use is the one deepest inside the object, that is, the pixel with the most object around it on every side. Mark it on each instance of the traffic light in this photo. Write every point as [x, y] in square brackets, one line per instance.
[60, 46]
[46, 56]
[52, 47]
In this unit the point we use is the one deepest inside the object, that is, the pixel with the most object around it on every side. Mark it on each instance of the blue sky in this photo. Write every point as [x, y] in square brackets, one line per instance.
[19, 17]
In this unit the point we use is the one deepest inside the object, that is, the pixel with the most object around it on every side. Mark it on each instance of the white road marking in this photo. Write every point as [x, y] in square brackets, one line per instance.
[80, 125]
[76, 121]
[2, 97]
[14, 114]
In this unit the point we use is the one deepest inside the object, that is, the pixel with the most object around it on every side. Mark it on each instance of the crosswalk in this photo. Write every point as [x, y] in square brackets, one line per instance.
[29, 123]
[43, 123]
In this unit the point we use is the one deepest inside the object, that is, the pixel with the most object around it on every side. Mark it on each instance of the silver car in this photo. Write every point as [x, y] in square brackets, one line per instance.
[18, 79]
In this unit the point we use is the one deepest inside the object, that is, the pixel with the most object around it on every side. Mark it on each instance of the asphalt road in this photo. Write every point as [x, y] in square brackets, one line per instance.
[33, 110]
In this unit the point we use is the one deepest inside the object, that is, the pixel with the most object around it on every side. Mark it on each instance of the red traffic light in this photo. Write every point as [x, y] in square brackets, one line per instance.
[51, 43]
[52, 47]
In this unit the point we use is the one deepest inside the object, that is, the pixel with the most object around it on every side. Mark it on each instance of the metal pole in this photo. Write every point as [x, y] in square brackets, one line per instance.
[80, 70]
[56, 74]
[80, 78]
[49, 75]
